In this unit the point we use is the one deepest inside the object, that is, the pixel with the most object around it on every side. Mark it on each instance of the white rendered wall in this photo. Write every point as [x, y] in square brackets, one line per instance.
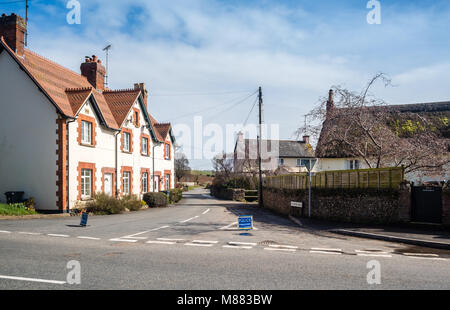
[27, 137]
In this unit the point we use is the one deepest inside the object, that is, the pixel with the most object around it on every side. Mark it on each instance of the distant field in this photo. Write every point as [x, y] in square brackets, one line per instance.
[202, 172]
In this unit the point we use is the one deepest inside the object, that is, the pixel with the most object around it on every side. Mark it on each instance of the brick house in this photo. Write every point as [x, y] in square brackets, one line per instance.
[64, 136]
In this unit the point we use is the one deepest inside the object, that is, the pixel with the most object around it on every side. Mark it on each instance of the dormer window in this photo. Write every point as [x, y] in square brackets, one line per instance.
[126, 141]
[167, 151]
[86, 132]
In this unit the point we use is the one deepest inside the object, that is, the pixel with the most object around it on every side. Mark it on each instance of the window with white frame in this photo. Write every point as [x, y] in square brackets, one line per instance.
[167, 151]
[86, 132]
[86, 183]
[126, 142]
[145, 182]
[144, 146]
[353, 164]
[126, 182]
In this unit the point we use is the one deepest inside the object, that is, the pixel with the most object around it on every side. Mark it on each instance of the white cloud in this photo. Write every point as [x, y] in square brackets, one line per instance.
[204, 46]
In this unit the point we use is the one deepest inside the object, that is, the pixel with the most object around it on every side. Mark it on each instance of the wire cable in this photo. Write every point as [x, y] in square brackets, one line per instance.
[212, 108]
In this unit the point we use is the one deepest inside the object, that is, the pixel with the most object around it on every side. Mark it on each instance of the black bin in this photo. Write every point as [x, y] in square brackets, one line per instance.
[14, 197]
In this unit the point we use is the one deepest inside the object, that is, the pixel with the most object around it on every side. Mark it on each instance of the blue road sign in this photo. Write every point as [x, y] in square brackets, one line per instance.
[245, 222]
[84, 219]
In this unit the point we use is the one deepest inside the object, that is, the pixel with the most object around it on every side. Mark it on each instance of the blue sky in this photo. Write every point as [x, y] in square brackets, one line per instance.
[296, 50]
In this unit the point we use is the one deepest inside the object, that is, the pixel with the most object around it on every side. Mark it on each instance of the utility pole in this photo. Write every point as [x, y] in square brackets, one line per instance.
[260, 198]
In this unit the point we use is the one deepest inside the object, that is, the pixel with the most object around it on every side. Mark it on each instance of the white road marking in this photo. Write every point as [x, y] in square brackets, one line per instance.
[168, 239]
[29, 233]
[228, 226]
[162, 227]
[206, 211]
[5, 232]
[205, 241]
[88, 238]
[325, 252]
[198, 244]
[283, 246]
[242, 243]
[370, 252]
[420, 254]
[122, 240]
[57, 235]
[281, 250]
[236, 247]
[427, 258]
[160, 242]
[192, 218]
[373, 255]
[32, 280]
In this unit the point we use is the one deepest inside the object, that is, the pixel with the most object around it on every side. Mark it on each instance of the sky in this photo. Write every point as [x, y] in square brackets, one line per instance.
[204, 57]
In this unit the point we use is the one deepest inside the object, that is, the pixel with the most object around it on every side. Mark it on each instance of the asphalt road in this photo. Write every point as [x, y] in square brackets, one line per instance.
[196, 245]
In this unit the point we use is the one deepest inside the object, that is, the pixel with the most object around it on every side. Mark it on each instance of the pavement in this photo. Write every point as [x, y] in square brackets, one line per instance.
[196, 245]
[424, 235]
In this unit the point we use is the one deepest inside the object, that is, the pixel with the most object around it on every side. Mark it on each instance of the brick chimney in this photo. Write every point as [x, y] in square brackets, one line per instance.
[141, 87]
[12, 29]
[94, 71]
[306, 139]
[330, 103]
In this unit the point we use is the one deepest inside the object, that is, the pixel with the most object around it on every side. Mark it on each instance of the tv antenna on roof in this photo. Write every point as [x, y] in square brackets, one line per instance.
[106, 49]
[26, 22]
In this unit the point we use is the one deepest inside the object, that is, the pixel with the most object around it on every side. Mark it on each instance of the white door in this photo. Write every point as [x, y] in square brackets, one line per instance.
[108, 184]
[156, 183]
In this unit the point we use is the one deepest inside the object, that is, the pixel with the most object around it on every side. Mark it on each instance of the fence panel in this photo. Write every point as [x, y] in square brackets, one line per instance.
[365, 178]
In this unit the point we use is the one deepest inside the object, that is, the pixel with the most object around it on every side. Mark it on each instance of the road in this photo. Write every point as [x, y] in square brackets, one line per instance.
[196, 245]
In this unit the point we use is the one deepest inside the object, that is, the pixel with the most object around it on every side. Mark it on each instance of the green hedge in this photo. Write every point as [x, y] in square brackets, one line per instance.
[156, 200]
[175, 195]
[105, 204]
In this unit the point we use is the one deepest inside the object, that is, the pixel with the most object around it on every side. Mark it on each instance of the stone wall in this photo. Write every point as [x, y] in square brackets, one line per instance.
[228, 193]
[345, 205]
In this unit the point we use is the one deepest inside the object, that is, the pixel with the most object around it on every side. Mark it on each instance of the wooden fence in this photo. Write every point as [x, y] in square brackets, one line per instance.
[364, 178]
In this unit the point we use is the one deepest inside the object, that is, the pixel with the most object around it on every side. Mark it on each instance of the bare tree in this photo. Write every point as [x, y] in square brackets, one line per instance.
[182, 168]
[223, 164]
[360, 125]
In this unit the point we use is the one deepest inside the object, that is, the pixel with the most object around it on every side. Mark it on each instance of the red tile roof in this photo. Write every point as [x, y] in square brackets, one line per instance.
[68, 91]
[120, 102]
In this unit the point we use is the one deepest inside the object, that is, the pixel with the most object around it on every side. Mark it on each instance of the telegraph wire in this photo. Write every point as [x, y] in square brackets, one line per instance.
[215, 107]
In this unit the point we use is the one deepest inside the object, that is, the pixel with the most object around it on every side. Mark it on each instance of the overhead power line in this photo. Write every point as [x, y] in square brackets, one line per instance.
[15, 1]
[179, 94]
[233, 101]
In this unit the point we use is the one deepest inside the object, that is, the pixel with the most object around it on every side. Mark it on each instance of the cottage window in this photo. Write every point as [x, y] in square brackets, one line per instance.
[126, 183]
[86, 132]
[126, 141]
[353, 164]
[145, 182]
[86, 183]
[167, 151]
[144, 146]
